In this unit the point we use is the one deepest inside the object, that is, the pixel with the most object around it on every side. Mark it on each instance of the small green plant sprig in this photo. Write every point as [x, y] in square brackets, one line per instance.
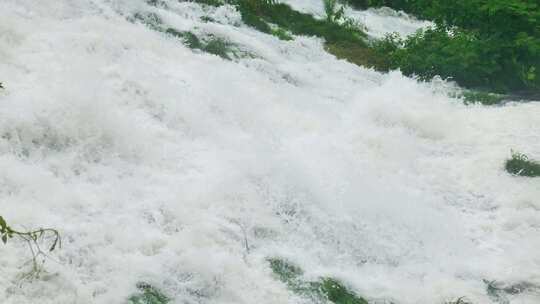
[1, 86]
[33, 239]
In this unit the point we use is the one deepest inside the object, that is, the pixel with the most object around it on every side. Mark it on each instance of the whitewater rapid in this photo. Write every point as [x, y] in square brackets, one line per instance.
[178, 168]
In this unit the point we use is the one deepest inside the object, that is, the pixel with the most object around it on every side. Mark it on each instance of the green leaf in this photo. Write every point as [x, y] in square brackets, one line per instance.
[3, 223]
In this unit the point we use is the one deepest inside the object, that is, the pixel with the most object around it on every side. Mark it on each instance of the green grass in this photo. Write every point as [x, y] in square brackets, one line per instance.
[323, 289]
[148, 294]
[521, 165]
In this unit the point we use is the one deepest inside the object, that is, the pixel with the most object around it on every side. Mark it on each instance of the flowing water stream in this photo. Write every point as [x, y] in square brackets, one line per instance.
[162, 164]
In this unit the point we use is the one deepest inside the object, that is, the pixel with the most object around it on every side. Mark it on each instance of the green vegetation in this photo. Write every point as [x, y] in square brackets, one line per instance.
[461, 300]
[337, 293]
[471, 96]
[1, 86]
[521, 165]
[333, 13]
[281, 33]
[148, 295]
[34, 239]
[343, 37]
[324, 289]
[490, 44]
[487, 46]
[260, 13]
[208, 44]
[212, 44]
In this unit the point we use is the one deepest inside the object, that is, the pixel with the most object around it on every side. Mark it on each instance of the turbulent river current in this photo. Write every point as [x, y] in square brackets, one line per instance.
[164, 164]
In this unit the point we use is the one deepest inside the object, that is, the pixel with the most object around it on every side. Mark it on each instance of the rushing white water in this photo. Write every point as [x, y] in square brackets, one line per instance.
[178, 168]
[378, 22]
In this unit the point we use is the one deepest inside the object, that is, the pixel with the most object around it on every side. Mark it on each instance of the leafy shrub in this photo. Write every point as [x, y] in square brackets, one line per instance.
[456, 54]
[521, 165]
[495, 44]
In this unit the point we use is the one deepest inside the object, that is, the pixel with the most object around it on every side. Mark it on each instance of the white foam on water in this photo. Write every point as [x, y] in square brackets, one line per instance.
[166, 165]
[378, 22]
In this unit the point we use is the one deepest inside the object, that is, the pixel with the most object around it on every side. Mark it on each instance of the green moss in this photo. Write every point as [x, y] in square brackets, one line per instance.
[148, 295]
[323, 289]
[521, 165]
